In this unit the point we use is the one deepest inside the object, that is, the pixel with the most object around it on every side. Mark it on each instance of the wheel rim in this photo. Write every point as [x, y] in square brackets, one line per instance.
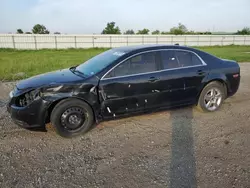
[213, 99]
[73, 118]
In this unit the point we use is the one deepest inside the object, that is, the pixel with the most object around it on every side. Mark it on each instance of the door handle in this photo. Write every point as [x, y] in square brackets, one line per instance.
[153, 79]
[200, 72]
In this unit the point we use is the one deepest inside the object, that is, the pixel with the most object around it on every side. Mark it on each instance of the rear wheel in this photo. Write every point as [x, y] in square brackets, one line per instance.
[72, 117]
[211, 97]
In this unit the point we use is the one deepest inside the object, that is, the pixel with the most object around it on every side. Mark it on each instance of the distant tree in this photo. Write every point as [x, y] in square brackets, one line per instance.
[19, 31]
[208, 33]
[165, 33]
[179, 30]
[244, 31]
[28, 32]
[190, 33]
[156, 32]
[204, 33]
[57, 33]
[111, 29]
[129, 32]
[40, 29]
[143, 32]
[198, 33]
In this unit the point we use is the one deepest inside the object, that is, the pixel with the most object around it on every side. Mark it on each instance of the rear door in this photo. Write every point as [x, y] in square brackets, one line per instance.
[171, 84]
[130, 86]
[194, 71]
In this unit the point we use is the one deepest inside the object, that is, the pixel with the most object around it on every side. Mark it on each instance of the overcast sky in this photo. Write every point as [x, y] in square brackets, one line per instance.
[91, 16]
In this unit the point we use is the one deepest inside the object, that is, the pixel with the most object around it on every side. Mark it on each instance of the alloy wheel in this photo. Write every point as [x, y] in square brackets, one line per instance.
[213, 99]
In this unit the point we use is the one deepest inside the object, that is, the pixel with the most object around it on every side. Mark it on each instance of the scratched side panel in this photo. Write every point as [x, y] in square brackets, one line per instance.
[126, 95]
[194, 78]
[170, 88]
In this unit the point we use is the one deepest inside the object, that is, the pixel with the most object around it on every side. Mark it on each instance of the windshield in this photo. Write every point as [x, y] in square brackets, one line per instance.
[99, 62]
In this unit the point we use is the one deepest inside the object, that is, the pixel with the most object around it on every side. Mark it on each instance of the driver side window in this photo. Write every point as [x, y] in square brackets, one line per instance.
[142, 63]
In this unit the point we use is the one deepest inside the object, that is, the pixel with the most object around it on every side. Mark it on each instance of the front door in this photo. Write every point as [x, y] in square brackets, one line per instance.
[130, 86]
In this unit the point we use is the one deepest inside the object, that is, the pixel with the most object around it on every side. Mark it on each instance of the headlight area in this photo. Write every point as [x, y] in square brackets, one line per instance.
[27, 98]
[41, 93]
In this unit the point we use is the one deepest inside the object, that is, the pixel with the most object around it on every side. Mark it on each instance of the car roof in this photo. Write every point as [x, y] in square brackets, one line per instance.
[143, 47]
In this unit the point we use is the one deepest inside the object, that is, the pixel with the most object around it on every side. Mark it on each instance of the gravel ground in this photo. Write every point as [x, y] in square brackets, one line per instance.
[175, 148]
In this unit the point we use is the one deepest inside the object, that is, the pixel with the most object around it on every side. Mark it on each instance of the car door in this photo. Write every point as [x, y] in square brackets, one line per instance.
[170, 85]
[194, 71]
[130, 85]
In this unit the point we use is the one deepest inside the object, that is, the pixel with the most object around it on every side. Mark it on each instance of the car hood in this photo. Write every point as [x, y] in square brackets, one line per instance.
[60, 76]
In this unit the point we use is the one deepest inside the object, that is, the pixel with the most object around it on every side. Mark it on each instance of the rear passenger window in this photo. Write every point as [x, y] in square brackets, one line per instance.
[187, 59]
[169, 60]
[196, 60]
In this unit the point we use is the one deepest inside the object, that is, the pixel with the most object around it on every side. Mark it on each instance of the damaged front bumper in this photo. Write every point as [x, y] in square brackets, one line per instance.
[30, 116]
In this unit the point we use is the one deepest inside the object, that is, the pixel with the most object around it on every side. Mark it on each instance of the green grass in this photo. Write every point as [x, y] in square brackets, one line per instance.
[33, 62]
[237, 53]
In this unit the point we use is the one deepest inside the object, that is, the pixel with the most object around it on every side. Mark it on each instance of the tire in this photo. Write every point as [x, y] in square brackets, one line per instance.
[211, 97]
[72, 117]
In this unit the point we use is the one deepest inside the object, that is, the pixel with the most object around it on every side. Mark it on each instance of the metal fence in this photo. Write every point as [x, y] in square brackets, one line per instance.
[30, 41]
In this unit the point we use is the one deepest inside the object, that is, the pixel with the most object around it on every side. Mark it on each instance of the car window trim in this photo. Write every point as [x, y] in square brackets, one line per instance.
[176, 56]
[202, 61]
[162, 64]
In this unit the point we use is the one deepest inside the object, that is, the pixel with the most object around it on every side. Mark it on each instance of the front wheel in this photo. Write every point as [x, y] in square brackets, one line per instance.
[211, 97]
[72, 117]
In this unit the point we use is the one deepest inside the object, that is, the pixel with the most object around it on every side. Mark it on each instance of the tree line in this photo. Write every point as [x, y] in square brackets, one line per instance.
[111, 28]
[37, 29]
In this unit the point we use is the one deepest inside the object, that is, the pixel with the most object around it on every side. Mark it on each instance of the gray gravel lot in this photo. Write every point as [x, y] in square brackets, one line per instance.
[175, 148]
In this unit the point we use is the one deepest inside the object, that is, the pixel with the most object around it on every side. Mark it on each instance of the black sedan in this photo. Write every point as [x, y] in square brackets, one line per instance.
[121, 82]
